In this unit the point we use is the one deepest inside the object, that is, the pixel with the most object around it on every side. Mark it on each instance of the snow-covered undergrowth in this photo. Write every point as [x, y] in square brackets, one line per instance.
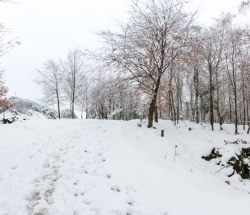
[87, 167]
[32, 109]
[12, 116]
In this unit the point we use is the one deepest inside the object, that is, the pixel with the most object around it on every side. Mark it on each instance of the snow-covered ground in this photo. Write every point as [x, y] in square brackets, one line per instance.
[90, 167]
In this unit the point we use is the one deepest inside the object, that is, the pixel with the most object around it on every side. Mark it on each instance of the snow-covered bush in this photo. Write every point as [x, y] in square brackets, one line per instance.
[31, 108]
[9, 117]
[66, 114]
[234, 156]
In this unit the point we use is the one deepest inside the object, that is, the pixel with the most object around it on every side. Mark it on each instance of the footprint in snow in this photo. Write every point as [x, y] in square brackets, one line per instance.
[116, 189]
[14, 167]
[108, 176]
[76, 183]
[85, 172]
[131, 203]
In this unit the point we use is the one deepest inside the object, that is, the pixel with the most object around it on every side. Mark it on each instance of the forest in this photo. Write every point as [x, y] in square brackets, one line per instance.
[160, 64]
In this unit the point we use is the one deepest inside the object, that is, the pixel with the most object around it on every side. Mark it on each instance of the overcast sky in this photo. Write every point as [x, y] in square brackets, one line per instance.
[49, 28]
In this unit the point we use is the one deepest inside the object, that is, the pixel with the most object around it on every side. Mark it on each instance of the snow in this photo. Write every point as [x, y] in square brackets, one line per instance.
[32, 109]
[64, 167]
[12, 116]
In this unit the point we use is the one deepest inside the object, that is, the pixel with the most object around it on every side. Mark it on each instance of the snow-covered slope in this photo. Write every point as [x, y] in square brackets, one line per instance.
[12, 116]
[89, 167]
[31, 108]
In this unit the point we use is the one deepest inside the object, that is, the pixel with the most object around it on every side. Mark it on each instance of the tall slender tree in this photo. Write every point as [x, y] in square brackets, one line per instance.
[73, 77]
[50, 77]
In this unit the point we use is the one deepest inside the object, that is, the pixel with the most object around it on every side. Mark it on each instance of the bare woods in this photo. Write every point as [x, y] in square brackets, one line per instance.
[159, 64]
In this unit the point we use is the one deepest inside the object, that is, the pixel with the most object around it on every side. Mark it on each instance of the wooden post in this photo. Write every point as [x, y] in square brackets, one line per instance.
[162, 133]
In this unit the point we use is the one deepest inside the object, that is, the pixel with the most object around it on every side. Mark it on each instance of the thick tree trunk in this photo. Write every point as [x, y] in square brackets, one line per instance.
[87, 113]
[73, 110]
[153, 104]
[151, 111]
[156, 113]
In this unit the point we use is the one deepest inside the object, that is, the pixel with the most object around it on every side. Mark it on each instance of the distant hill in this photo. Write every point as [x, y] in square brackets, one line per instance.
[31, 108]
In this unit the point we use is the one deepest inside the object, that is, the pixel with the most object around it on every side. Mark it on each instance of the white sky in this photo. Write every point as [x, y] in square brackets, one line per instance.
[49, 28]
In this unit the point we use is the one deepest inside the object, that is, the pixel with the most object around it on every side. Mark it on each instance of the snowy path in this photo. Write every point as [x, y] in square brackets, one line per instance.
[107, 167]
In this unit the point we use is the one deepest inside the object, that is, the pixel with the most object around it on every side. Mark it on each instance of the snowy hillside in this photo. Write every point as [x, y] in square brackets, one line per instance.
[75, 167]
[31, 108]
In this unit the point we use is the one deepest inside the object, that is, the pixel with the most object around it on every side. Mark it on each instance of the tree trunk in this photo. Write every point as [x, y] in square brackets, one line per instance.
[73, 94]
[196, 86]
[218, 102]
[174, 110]
[152, 105]
[156, 113]
[211, 96]
[151, 111]
[244, 106]
[58, 104]
[247, 107]
[236, 111]
[230, 108]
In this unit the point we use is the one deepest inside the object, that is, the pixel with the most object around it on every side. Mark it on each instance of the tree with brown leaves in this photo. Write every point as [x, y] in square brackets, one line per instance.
[5, 104]
[149, 44]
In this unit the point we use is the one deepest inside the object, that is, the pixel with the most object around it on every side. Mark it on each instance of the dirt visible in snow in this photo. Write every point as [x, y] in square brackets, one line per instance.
[213, 155]
[240, 163]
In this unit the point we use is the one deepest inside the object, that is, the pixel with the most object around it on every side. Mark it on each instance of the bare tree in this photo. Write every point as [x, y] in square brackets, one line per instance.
[73, 77]
[244, 5]
[149, 44]
[83, 100]
[214, 45]
[232, 54]
[6, 44]
[50, 77]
